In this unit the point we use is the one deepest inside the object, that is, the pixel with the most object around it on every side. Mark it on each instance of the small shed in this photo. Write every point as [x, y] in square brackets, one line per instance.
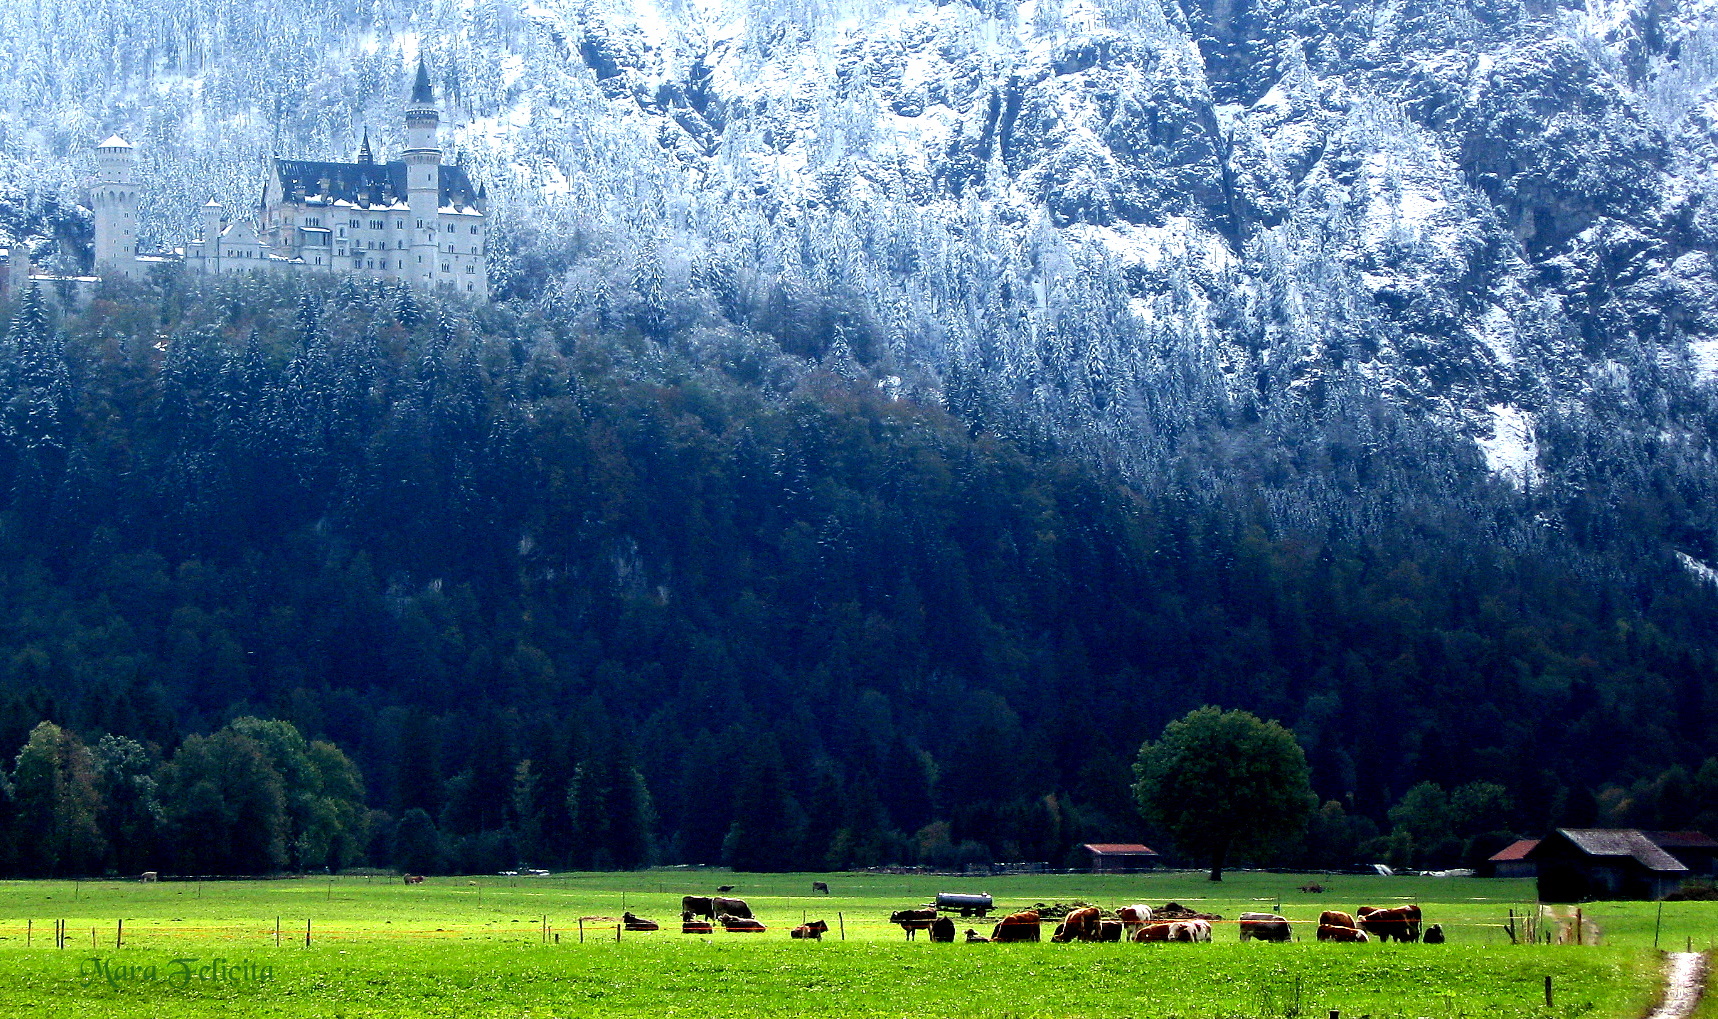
[1576, 864]
[1512, 861]
[1120, 857]
[1697, 850]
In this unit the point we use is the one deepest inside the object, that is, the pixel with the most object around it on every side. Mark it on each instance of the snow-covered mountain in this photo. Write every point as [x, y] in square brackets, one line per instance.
[1093, 224]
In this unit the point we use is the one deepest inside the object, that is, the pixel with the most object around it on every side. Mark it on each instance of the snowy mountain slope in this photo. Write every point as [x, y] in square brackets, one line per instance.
[1086, 222]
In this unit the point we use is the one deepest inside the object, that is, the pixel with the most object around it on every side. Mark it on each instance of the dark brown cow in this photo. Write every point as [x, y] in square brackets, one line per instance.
[913, 920]
[1153, 932]
[975, 938]
[702, 905]
[1265, 927]
[820, 886]
[942, 931]
[1017, 927]
[1332, 932]
[1111, 930]
[691, 926]
[1080, 925]
[724, 889]
[732, 907]
[1435, 934]
[814, 931]
[414, 879]
[635, 923]
[1336, 918]
[739, 924]
[1401, 923]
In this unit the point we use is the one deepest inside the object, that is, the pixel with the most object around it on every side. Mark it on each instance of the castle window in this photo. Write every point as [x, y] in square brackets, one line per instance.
[474, 231]
[444, 267]
[377, 224]
[471, 270]
[318, 259]
[313, 220]
[354, 224]
[399, 224]
[420, 224]
[450, 228]
[420, 260]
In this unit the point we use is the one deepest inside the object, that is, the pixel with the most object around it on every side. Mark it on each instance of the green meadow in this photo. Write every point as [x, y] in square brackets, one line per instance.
[497, 946]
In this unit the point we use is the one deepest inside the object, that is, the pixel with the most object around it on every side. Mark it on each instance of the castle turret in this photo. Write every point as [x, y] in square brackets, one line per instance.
[115, 199]
[422, 157]
[213, 213]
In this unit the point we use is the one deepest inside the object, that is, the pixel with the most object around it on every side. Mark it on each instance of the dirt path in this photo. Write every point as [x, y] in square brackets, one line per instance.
[1684, 980]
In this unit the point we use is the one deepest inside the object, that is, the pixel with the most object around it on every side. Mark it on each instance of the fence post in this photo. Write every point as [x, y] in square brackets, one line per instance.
[307, 932]
[29, 932]
[1578, 939]
[581, 930]
[1548, 992]
[277, 932]
[1658, 924]
[617, 928]
[119, 934]
[843, 922]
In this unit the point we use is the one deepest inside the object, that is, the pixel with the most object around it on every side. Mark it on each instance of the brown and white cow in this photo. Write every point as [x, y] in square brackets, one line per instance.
[1190, 930]
[739, 924]
[1154, 932]
[1265, 927]
[813, 931]
[1111, 930]
[1401, 923]
[1339, 934]
[1337, 918]
[1017, 927]
[975, 938]
[1134, 916]
[414, 879]
[1080, 925]
[913, 920]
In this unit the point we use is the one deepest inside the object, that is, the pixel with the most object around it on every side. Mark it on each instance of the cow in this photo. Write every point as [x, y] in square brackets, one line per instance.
[739, 924]
[1265, 927]
[1400, 922]
[1153, 932]
[414, 879]
[813, 931]
[1017, 927]
[724, 889]
[691, 926]
[913, 920]
[1135, 917]
[150, 875]
[1435, 934]
[1080, 925]
[635, 923]
[1190, 930]
[702, 905]
[942, 931]
[732, 907]
[975, 938]
[1332, 932]
[1111, 930]
[1337, 918]
[820, 886]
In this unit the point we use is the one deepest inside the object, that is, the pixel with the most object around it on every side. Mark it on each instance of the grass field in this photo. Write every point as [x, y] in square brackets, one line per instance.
[477, 948]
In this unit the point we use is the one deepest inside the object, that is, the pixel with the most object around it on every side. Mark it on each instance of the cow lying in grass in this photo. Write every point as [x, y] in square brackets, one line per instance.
[1175, 930]
[739, 924]
[813, 931]
[689, 925]
[1265, 927]
[635, 923]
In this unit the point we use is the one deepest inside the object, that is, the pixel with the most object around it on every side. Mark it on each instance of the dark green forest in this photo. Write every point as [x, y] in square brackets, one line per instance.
[311, 573]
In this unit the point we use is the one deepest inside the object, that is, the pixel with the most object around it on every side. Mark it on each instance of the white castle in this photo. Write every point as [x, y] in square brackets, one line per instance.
[414, 219]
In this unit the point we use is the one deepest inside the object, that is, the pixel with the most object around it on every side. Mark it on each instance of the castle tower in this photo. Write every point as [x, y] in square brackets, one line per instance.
[422, 157]
[212, 215]
[115, 199]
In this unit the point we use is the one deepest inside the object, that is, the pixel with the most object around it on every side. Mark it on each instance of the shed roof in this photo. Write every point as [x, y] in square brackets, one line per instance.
[1682, 839]
[1118, 849]
[1514, 851]
[1622, 842]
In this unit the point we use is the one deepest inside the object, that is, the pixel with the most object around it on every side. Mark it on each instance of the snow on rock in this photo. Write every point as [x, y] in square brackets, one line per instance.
[1512, 450]
[1700, 570]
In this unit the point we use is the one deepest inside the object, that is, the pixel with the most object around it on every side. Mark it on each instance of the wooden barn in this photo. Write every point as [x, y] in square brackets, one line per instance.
[1697, 850]
[1119, 857]
[1511, 861]
[1576, 864]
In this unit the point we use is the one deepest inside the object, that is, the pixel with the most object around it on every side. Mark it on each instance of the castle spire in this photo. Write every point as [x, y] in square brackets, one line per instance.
[422, 94]
[365, 157]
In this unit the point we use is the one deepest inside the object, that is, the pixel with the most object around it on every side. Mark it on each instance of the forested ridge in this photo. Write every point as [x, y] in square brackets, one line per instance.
[567, 597]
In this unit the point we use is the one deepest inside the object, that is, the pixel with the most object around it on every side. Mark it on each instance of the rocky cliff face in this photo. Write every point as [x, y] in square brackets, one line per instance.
[1087, 212]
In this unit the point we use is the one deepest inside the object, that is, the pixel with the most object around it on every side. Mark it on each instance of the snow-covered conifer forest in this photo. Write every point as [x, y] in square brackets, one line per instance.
[1350, 274]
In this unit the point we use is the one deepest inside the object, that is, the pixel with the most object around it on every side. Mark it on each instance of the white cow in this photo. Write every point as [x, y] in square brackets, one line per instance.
[1134, 917]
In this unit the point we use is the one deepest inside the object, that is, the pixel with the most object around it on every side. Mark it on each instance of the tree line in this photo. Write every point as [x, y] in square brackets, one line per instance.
[566, 596]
